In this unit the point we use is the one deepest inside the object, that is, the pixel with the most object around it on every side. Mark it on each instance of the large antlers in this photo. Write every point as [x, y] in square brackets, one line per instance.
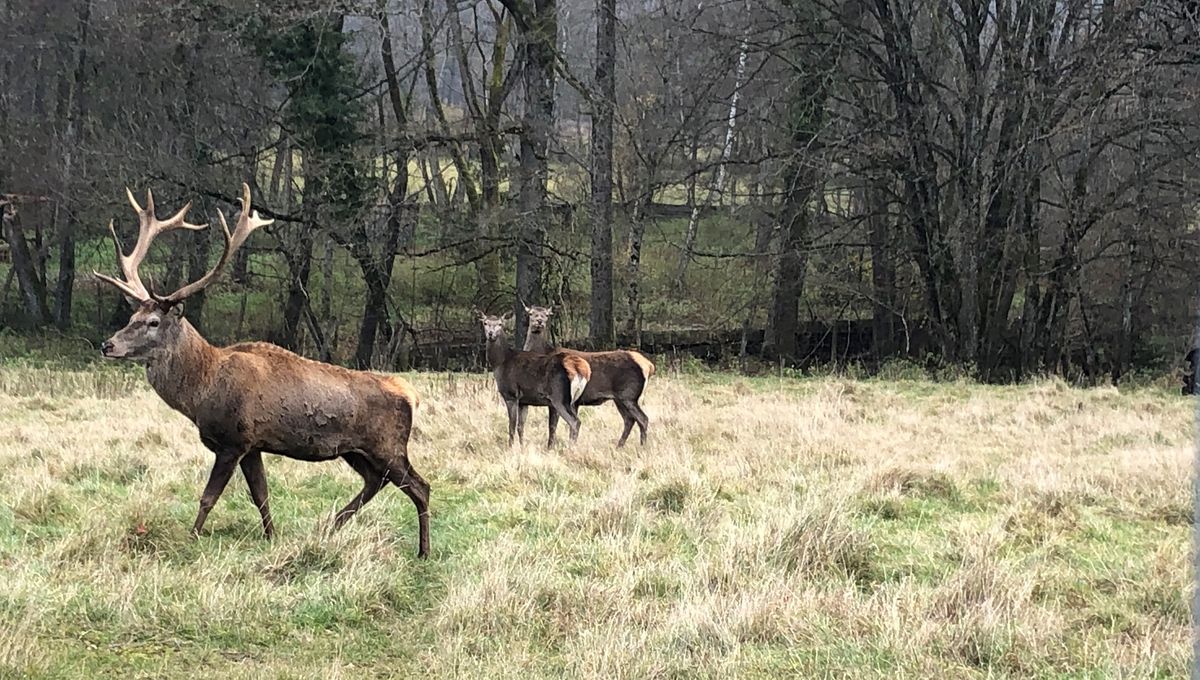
[246, 224]
[150, 227]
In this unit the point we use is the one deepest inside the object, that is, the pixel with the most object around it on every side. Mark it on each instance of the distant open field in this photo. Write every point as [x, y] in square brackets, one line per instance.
[818, 527]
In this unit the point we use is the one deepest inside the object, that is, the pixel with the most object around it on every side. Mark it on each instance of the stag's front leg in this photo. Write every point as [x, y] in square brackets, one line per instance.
[222, 470]
[256, 479]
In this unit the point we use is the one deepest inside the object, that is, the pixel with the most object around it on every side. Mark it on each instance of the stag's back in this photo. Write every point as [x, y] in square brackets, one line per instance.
[283, 402]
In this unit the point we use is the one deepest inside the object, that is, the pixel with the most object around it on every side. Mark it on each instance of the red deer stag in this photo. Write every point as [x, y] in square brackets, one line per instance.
[527, 379]
[255, 397]
[619, 376]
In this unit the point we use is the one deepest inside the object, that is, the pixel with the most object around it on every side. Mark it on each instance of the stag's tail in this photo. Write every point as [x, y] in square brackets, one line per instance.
[643, 363]
[579, 371]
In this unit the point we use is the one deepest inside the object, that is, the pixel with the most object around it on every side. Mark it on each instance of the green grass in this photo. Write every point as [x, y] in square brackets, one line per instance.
[810, 527]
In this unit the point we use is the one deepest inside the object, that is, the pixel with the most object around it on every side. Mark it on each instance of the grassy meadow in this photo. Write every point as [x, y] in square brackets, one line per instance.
[808, 527]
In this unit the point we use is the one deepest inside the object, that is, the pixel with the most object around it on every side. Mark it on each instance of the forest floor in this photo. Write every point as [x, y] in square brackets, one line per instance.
[812, 527]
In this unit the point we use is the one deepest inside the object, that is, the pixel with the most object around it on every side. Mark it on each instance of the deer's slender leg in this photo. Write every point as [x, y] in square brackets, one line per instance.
[568, 414]
[373, 481]
[217, 479]
[642, 420]
[256, 479]
[522, 411]
[512, 420]
[629, 420]
[553, 425]
[416, 488]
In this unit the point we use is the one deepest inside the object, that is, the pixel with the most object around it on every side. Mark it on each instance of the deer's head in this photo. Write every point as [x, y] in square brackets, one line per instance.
[493, 326]
[539, 318]
[157, 319]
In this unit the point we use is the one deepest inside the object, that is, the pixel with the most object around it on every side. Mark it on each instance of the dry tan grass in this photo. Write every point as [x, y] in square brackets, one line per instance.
[821, 527]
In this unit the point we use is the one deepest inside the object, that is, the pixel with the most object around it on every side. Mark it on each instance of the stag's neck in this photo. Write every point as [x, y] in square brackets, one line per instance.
[536, 341]
[181, 373]
[498, 352]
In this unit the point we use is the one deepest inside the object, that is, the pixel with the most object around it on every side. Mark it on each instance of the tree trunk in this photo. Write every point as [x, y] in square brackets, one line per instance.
[485, 112]
[327, 280]
[197, 267]
[637, 231]
[600, 321]
[1124, 358]
[374, 315]
[781, 342]
[299, 261]
[72, 139]
[883, 272]
[807, 113]
[689, 237]
[33, 290]
[739, 77]
[466, 179]
[539, 34]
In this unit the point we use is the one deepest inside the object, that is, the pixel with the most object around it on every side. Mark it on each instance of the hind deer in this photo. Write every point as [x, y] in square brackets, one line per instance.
[253, 398]
[527, 379]
[619, 376]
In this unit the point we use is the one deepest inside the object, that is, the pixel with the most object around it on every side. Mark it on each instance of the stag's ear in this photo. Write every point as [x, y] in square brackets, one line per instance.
[175, 310]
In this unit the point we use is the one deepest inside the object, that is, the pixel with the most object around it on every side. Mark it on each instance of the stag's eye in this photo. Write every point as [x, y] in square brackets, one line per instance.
[153, 323]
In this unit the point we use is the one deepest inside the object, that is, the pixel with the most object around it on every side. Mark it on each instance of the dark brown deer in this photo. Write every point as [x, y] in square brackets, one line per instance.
[255, 397]
[619, 376]
[527, 379]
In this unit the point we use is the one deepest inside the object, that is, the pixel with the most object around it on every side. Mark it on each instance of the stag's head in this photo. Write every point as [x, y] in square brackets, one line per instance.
[152, 326]
[539, 318]
[157, 319]
[493, 326]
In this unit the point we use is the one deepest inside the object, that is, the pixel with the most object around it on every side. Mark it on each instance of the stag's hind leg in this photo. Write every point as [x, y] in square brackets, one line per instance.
[417, 489]
[256, 479]
[373, 481]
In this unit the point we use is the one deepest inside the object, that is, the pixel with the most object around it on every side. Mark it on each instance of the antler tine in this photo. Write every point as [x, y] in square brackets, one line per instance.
[132, 285]
[177, 220]
[247, 223]
[149, 227]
